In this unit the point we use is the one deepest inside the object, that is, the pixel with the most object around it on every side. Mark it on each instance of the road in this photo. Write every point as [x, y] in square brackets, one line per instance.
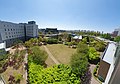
[51, 56]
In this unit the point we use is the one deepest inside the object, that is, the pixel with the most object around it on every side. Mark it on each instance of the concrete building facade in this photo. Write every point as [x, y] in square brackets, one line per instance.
[109, 70]
[116, 32]
[10, 32]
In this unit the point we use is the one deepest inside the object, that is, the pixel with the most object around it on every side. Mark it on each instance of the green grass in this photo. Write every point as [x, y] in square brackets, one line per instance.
[61, 52]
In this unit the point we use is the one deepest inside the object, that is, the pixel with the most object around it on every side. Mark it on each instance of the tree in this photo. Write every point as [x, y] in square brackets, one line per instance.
[84, 40]
[37, 56]
[69, 38]
[60, 38]
[82, 48]
[93, 55]
[117, 39]
[79, 60]
[100, 46]
[106, 36]
[52, 41]
[40, 39]
[28, 44]
[79, 63]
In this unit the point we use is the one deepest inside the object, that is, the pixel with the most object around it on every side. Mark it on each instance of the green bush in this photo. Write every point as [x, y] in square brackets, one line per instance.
[58, 74]
[18, 77]
[79, 63]
[82, 48]
[93, 55]
[37, 55]
[100, 46]
[52, 41]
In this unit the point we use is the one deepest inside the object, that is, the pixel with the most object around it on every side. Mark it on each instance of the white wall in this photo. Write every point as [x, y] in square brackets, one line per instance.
[2, 45]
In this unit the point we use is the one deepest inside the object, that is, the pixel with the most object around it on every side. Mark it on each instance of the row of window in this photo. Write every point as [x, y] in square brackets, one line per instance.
[14, 33]
[14, 36]
[14, 29]
[10, 25]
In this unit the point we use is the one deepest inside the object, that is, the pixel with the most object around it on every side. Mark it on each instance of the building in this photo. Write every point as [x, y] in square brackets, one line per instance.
[77, 38]
[51, 31]
[116, 32]
[109, 70]
[10, 32]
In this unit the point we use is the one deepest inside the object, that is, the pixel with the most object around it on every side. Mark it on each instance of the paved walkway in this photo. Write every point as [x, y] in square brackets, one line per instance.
[25, 62]
[1, 81]
[93, 80]
[50, 55]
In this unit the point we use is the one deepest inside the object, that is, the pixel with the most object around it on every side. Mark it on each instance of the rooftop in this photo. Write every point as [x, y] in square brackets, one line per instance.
[109, 53]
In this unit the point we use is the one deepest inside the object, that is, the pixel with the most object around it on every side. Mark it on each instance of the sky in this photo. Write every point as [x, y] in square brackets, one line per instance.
[98, 15]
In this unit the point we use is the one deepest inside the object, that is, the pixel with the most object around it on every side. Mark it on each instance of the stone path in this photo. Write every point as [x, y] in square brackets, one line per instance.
[50, 55]
[93, 80]
[25, 59]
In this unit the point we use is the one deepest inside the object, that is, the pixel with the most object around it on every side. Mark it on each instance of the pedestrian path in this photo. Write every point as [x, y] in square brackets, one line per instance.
[51, 56]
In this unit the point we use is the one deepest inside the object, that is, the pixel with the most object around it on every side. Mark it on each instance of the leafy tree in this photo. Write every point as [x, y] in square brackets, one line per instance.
[100, 46]
[117, 39]
[28, 44]
[52, 41]
[79, 60]
[45, 40]
[79, 63]
[35, 40]
[84, 40]
[40, 39]
[69, 38]
[60, 38]
[37, 56]
[82, 48]
[106, 36]
[93, 55]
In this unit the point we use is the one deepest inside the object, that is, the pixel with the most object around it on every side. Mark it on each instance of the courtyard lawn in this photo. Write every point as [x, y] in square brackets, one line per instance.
[48, 61]
[61, 52]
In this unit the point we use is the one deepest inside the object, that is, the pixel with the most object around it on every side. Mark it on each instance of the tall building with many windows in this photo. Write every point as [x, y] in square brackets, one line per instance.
[116, 32]
[10, 32]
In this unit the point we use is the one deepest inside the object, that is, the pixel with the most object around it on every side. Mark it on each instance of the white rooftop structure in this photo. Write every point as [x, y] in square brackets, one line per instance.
[77, 37]
[2, 45]
[109, 62]
[110, 52]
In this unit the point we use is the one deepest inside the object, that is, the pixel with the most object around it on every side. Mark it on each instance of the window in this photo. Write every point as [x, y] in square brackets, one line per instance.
[5, 29]
[8, 29]
[6, 36]
[5, 33]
